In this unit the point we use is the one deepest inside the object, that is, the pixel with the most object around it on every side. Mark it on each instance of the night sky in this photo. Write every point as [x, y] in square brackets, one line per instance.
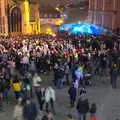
[77, 13]
[55, 2]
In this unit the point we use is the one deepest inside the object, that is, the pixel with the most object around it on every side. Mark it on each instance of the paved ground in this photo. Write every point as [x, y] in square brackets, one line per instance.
[107, 99]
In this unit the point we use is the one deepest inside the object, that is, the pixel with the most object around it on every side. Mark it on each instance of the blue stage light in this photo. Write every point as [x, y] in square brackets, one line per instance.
[84, 28]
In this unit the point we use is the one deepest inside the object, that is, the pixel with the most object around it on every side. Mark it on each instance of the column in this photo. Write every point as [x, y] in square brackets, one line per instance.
[114, 15]
[103, 11]
[0, 18]
[4, 17]
[26, 17]
[93, 9]
[37, 19]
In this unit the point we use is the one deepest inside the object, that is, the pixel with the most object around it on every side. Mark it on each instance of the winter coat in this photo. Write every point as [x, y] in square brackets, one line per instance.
[83, 106]
[72, 93]
[18, 112]
[49, 94]
[30, 111]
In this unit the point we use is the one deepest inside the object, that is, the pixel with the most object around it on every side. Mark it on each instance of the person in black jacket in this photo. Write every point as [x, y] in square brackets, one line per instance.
[72, 95]
[41, 98]
[82, 108]
[93, 109]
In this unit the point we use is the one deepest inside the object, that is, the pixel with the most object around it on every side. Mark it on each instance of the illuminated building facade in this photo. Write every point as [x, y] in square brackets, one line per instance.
[105, 13]
[50, 19]
[16, 17]
[23, 17]
[3, 17]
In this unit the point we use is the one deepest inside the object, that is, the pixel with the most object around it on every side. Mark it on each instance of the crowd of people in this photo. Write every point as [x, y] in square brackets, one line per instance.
[73, 60]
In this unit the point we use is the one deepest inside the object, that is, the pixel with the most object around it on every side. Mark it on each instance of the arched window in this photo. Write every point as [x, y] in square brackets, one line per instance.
[15, 20]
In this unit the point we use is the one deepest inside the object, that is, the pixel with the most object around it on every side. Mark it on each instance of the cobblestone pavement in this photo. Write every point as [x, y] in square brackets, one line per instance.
[107, 99]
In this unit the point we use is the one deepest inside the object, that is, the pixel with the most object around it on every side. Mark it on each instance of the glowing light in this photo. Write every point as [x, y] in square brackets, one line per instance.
[84, 28]
[79, 22]
[50, 32]
[58, 9]
[66, 27]
[59, 22]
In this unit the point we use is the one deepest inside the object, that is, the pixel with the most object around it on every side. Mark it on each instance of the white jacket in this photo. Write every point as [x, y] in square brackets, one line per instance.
[36, 81]
[49, 93]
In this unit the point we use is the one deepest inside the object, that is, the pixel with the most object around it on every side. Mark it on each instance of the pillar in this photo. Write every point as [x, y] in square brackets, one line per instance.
[3, 17]
[26, 17]
[37, 17]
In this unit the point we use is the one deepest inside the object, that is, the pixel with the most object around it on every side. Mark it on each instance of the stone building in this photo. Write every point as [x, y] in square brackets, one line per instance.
[50, 19]
[16, 17]
[105, 13]
[24, 17]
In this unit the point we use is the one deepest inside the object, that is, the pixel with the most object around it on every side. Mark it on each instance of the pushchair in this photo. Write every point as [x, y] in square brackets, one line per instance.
[88, 79]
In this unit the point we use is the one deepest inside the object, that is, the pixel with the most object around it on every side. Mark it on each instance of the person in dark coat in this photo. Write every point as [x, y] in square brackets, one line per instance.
[72, 94]
[114, 75]
[93, 109]
[41, 98]
[82, 107]
[30, 110]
